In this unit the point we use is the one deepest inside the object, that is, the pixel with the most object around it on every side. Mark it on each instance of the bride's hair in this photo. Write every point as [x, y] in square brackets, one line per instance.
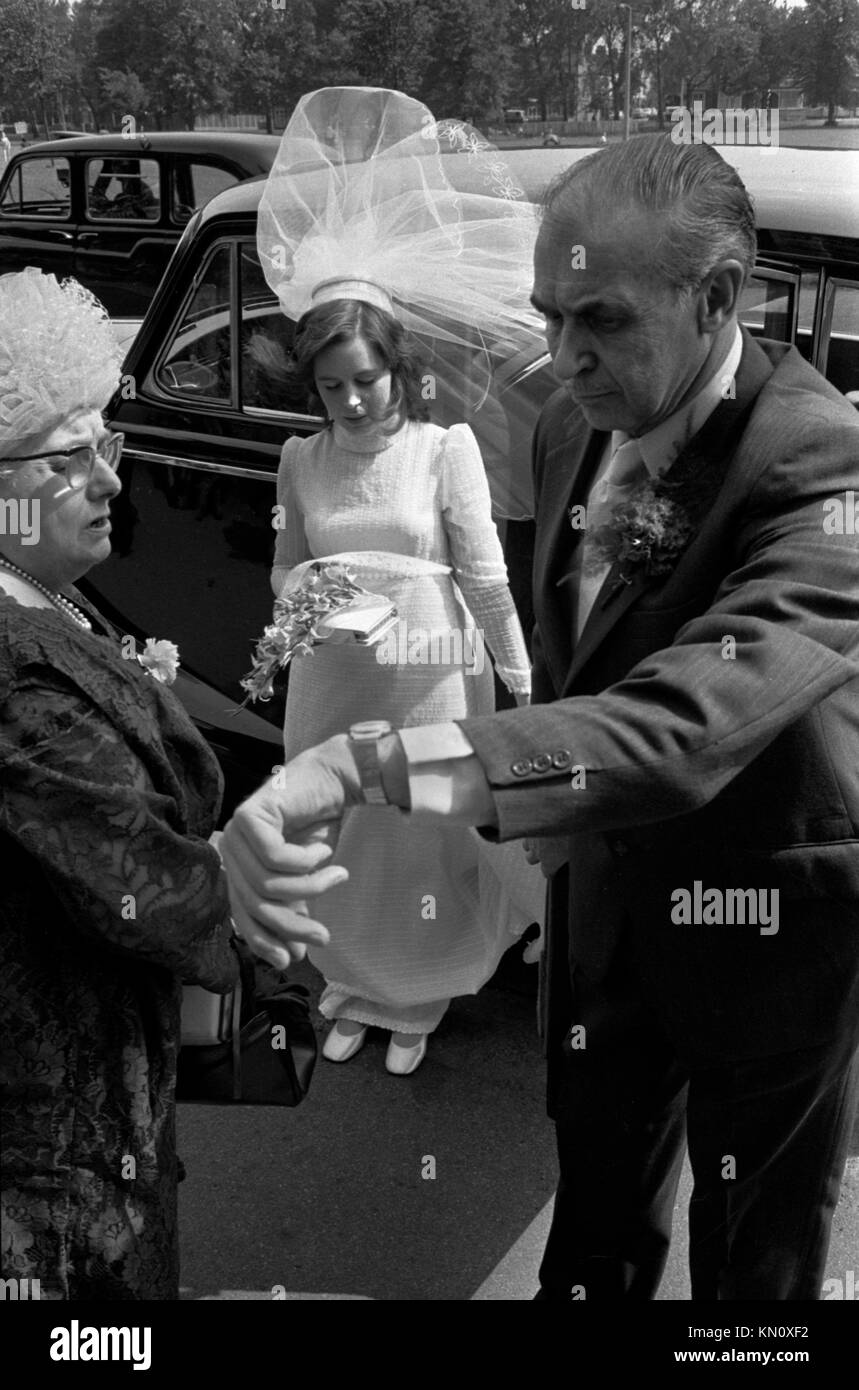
[341, 320]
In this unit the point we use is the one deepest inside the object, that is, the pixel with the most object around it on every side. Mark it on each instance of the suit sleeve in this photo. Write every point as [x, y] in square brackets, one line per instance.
[685, 721]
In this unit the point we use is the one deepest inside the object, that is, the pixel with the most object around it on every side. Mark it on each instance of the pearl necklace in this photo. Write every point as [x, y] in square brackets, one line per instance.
[59, 601]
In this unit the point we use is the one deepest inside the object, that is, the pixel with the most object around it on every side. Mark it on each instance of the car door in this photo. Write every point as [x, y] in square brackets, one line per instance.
[36, 214]
[124, 239]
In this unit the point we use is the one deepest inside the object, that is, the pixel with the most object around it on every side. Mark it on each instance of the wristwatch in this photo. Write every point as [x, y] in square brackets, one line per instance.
[364, 742]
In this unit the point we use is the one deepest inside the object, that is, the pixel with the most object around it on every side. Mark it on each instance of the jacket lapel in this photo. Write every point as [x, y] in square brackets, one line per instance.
[569, 469]
[710, 450]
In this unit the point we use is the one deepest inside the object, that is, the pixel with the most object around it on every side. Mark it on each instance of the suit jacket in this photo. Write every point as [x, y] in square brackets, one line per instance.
[733, 764]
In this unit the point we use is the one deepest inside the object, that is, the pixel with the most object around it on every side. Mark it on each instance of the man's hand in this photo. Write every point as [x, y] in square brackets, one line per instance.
[276, 847]
[551, 852]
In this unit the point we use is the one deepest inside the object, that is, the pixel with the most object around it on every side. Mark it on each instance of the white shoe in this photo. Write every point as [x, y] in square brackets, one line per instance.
[339, 1047]
[402, 1061]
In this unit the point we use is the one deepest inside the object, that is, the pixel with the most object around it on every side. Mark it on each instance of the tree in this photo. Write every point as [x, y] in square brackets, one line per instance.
[277, 54]
[657, 21]
[87, 24]
[533, 30]
[184, 53]
[125, 91]
[129, 45]
[198, 55]
[36, 68]
[388, 42]
[609, 29]
[774, 60]
[827, 48]
[468, 60]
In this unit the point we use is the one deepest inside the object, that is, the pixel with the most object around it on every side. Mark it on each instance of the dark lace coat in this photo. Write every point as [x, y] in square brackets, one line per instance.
[110, 899]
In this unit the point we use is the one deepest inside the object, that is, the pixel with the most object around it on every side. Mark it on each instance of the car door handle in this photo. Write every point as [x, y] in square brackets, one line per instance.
[88, 236]
[64, 236]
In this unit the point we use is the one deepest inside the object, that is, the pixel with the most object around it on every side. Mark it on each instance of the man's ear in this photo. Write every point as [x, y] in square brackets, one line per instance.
[720, 295]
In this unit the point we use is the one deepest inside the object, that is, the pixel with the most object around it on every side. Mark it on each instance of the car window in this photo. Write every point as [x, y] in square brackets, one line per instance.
[840, 347]
[197, 359]
[39, 187]
[768, 305]
[266, 343]
[194, 183]
[126, 189]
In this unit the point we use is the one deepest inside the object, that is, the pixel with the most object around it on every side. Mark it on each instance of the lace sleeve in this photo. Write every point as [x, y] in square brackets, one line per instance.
[291, 545]
[79, 799]
[477, 557]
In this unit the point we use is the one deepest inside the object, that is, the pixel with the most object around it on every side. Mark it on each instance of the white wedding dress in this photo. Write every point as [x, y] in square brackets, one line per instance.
[428, 910]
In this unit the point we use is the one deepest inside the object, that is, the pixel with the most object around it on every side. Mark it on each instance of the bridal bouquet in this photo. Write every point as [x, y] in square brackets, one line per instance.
[327, 600]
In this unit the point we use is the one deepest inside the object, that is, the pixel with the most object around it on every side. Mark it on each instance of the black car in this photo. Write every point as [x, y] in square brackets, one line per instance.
[109, 209]
[205, 407]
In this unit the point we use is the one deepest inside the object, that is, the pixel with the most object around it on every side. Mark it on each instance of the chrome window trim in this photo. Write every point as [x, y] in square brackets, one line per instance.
[833, 282]
[791, 277]
[817, 319]
[156, 387]
[200, 465]
[265, 413]
[153, 380]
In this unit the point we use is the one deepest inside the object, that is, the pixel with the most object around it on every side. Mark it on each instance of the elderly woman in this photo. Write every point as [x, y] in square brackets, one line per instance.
[112, 895]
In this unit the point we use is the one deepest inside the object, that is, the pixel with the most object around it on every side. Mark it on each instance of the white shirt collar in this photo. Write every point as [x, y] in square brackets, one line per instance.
[661, 445]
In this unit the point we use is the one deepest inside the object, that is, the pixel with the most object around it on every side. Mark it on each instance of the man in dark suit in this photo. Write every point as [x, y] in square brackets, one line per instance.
[689, 769]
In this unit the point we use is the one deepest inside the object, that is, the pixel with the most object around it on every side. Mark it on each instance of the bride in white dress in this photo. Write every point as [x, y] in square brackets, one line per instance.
[407, 503]
[380, 261]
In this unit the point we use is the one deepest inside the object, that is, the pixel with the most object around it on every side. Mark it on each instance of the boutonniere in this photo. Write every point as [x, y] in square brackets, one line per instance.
[160, 659]
[649, 531]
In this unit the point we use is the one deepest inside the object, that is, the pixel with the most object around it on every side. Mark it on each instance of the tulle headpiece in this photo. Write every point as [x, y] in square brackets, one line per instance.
[58, 355]
[371, 198]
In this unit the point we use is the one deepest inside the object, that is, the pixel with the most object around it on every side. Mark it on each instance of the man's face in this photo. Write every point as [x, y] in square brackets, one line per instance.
[624, 344]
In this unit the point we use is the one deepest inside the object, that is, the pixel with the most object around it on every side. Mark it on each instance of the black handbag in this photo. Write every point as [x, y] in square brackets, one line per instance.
[269, 1051]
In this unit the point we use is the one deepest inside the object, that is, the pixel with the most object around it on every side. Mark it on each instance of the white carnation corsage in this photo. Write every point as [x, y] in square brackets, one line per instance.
[160, 659]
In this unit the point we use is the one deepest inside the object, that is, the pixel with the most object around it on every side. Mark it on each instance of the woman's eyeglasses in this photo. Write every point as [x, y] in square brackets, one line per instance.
[79, 463]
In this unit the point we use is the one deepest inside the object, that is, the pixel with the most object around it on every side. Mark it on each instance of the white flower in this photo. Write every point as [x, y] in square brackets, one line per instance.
[160, 659]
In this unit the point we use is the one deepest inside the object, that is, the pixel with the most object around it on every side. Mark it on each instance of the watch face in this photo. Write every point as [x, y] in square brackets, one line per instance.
[370, 728]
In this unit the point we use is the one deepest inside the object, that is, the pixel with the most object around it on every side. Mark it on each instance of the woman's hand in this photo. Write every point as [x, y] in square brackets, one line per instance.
[276, 849]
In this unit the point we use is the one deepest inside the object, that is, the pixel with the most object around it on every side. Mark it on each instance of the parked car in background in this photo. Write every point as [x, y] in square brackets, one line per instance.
[109, 209]
[205, 406]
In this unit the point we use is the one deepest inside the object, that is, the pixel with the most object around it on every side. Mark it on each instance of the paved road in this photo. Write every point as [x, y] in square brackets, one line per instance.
[329, 1202]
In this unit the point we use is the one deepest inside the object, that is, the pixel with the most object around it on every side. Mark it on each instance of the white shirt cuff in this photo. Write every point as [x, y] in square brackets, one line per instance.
[446, 777]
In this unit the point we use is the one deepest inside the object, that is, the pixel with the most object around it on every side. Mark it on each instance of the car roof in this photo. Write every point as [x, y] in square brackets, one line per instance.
[227, 142]
[793, 190]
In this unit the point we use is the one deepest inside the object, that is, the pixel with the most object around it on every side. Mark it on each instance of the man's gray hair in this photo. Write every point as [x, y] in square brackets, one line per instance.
[709, 212]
